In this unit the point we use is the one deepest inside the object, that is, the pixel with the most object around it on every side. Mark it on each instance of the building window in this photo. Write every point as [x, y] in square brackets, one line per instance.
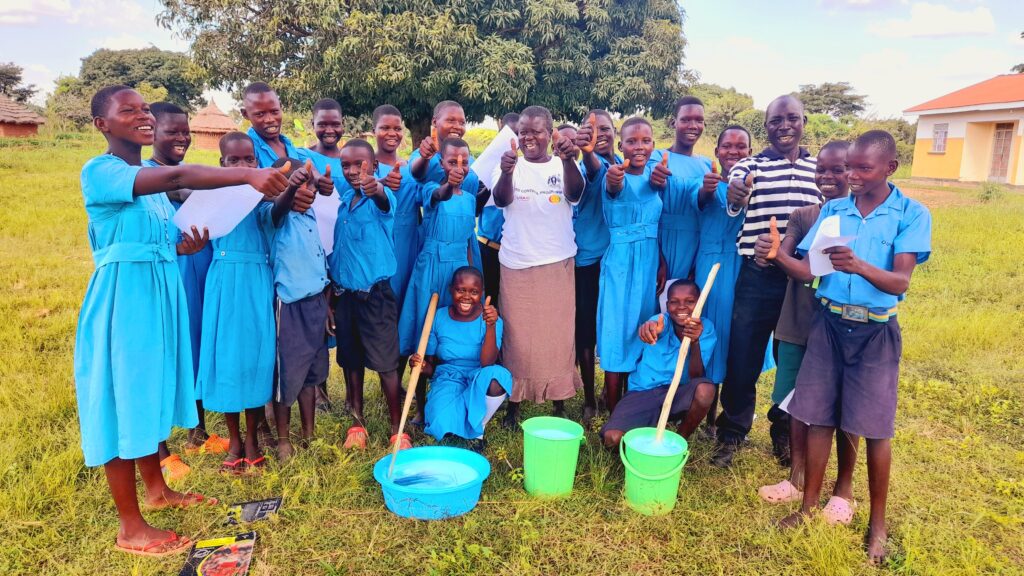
[939, 138]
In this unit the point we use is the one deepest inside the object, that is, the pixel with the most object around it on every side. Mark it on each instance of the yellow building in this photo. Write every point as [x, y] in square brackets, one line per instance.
[973, 134]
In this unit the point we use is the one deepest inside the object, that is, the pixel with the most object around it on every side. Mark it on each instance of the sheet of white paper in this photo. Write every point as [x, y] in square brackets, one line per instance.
[218, 210]
[490, 158]
[826, 237]
[784, 405]
[326, 210]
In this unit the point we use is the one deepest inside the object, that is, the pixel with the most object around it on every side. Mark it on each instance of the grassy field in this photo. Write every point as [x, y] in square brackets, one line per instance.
[956, 504]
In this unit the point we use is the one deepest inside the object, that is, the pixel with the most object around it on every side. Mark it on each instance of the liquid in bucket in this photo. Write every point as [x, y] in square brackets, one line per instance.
[652, 469]
[551, 449]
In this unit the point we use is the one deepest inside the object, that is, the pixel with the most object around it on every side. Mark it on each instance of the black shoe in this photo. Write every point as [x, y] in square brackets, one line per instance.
[477, 445]
[722, 458]
[511, 419]
[709, 433]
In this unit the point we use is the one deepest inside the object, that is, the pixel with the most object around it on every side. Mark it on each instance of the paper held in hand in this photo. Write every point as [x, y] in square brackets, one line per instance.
[326, 210]
[826, 237]
[218, 210]
[490, 158]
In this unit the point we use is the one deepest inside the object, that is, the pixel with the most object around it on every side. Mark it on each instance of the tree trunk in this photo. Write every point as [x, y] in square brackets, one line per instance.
[419, 128]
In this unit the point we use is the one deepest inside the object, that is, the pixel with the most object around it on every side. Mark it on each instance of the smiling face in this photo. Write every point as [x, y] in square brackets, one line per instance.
[263, 110]
[734, 146]
[689, 124]
[389, 132]
[784, 123]
[605, 135]
[172, 138]
[450, 158]
[329, 127]
[238, 154]
[636, 145]
[352, 159]
[869, 170]
[681, 302]
[466, 290]
[831, 175]
[534, 136]
[450, 121]
[127, 118]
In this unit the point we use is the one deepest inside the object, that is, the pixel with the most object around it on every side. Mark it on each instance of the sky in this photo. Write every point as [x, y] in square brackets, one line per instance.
[898, 53]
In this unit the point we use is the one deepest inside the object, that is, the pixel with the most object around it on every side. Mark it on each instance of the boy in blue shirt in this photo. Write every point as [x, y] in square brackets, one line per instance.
[300, 276]
[849, 375]
[262, 108]
[649, 383]
[361, 267]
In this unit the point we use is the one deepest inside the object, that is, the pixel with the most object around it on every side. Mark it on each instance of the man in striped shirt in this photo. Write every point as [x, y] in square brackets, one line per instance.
[782, 181]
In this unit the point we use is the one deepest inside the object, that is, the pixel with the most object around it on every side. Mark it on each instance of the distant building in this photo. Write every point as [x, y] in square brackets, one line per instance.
[973, 134]
[17, 119]
[208, 125]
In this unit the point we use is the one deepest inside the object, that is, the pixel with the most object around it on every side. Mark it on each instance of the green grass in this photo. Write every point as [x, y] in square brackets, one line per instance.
[956, 503]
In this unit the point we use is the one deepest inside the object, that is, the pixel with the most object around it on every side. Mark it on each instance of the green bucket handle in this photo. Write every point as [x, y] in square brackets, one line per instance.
[641, 475]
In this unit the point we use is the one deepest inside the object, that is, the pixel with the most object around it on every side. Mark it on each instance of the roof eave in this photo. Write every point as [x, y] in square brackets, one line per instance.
[971, 108]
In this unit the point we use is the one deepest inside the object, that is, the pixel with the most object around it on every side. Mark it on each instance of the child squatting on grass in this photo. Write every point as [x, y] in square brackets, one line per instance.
[134, 315]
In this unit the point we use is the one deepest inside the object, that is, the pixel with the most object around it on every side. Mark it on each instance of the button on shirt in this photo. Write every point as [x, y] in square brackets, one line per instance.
[658, 360]
[364, 245]
[265, 155]
[780, 186]
[300, 265]
[899, 225]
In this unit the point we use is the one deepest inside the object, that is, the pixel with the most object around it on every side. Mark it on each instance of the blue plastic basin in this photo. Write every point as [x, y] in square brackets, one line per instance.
[448, 481]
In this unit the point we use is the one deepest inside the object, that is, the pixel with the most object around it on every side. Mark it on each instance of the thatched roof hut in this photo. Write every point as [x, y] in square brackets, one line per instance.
[208, 125]
[17, 119]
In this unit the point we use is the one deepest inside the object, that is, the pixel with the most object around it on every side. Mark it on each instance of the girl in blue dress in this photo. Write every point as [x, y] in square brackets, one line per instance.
[629, 267]
[466, 384]
[133, 360]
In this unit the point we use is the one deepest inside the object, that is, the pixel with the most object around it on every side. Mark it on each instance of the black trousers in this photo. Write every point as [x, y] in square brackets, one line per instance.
[492, 272]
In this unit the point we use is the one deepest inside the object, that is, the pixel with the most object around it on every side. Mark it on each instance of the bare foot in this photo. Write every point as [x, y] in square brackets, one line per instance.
[877, 540]
[793, 520]
[173, 499]
[285, 450]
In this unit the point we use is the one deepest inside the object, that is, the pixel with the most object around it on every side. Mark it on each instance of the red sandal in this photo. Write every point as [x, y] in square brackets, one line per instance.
[173, 544]
[355, 438]
[404, 443]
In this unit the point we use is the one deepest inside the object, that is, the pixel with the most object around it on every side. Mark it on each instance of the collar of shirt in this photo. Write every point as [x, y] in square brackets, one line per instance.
[772, 154]
[263, 150]
[893, 202]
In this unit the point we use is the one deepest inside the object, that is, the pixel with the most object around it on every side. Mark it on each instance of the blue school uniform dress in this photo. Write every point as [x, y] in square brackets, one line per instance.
[457, 400]
[133, 360]
[236, 362]
[679, 227]
[629, 272]
[406, 228]
[265, 155]
[448, 243]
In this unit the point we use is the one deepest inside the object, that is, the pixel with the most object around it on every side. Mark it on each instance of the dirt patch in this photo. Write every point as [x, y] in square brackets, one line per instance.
[938, 197]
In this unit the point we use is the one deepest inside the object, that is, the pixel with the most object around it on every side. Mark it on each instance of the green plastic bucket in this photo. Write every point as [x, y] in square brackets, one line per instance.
[551, 448]
[652, 469]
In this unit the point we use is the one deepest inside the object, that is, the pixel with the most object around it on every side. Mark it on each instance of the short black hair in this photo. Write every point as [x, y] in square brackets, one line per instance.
[601, 112]
[633, 121]
[538, 112]
[161, 109]
[101, 99]
[452, 141]
[510, 118]
[444, 105]
[682, 283]
[232, 137]
[837, 145]
[880, 139]
[385, 110]
[467, 271]
[257, 88]
[733, 127]
[566, 125]
[295, 164]
[686, 101]
[326, 104]
[360, 143]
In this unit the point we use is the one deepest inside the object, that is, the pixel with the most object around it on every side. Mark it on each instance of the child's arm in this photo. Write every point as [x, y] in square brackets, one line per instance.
[269, 181]
[483, 194]
[285, 202]
[324, 182]
[615, 179]
[693, 329]
[572, 179]
[374, 190]
[709, 187]
[503, 187]
[427, 371]
[452, 186]
[796, 268]
[895, 282]
[586, 139]
[428, 147]
[489, 350]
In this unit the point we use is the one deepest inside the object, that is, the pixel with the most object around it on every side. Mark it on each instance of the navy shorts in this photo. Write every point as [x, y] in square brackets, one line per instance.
[302, 357]
[366, 329]
[587, 278]
[642, 409]
[849, 376]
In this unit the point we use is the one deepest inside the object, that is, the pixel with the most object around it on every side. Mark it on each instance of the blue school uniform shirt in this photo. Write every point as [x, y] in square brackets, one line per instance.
[265, 155]
[588, 223]
[298, 258]
[364, 245]
[898, 225]
[491, 222]
[320, 162]
[658, 361]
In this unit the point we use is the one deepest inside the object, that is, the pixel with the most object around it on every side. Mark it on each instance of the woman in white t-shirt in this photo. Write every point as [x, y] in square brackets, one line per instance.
[537, 298]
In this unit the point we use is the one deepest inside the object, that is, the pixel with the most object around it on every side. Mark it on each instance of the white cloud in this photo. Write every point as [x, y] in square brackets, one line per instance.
[91, 13]
[934, 20]
[20, 12]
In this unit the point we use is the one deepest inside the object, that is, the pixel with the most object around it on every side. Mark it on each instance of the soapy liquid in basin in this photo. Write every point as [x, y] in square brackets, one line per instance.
[648, 445]
[434, 474]
[551, 434]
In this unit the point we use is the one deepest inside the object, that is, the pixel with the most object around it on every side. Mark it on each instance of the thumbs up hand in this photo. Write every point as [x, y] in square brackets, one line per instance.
[394, 178]
[661, 173]
[616, 177]
[509, 159]
[652, 329]
[490, 313]
[325, 184]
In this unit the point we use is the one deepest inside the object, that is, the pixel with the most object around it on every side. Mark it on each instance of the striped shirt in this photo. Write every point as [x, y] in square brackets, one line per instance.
[780, 187]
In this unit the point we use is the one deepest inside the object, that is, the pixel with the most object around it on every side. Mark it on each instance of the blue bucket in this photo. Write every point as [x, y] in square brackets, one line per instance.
[441, 481]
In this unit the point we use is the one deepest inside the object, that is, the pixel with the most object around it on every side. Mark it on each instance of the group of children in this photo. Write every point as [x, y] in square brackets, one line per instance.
[261, 303]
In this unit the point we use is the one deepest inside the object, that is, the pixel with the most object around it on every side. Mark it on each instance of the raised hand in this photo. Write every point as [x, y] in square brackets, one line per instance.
[586, 136]
[305, 194]
[367, 183]
[456, 176]
[774, 238]
[711, 179]
[661, 173]
[509, 159]
[762, 246]
[194, 243]
[302, 175]
[652, 329]
[270, 182]
[428, 146]
[616, 177]
[490, 313]
[325, 185]
[739, 190]
[394, 178]
[565, 148]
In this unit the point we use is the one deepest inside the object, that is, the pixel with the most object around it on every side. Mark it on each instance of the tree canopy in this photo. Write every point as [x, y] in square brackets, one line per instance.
[837, 99]
[151, 66]
[493, 56]
[10, 83]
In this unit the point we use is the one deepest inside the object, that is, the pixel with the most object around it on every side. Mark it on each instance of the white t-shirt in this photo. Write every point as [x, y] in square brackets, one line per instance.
[538, 222]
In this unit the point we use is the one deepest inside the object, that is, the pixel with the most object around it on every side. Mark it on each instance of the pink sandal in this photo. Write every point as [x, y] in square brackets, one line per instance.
[780, 493]
[839, 511]
[355, 438]
[404, 441]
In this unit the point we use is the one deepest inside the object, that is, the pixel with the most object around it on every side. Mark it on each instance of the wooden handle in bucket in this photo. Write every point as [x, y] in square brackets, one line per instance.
[410, 392]
[684, 349]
